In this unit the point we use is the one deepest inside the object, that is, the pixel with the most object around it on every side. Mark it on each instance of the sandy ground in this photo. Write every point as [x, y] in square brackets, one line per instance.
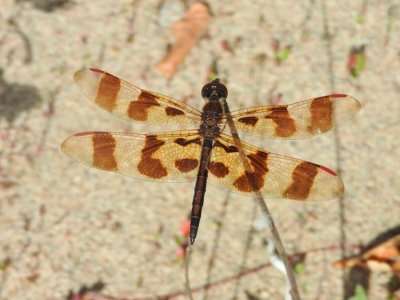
[64, 226]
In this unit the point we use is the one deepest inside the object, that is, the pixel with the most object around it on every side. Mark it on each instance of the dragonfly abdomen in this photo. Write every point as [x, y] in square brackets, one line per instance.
[200, 189]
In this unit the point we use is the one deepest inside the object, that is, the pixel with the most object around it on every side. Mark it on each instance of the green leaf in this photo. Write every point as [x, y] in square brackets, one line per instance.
[304, 288]
[213, 70]
[360, 293]
[282, 55]
[179, 239]
[299, 268]
[360, 19]
[359, 65]
[5, 264]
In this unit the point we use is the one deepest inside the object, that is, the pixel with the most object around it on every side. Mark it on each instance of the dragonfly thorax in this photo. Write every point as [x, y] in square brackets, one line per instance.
[209, 128]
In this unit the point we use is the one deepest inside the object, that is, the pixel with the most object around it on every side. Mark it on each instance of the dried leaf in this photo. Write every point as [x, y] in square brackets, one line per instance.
[33, 278]
[187, 31]
[7, 184]
[5, 264]
[384, 256]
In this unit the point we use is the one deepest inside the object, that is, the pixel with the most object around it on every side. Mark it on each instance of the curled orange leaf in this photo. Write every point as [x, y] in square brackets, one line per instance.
[187, 31]
[384, 256]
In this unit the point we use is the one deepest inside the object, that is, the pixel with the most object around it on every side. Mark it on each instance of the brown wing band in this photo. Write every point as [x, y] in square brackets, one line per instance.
[321, 110]
[303, 179]
[107, 92]
[286, 126]
[103, 151]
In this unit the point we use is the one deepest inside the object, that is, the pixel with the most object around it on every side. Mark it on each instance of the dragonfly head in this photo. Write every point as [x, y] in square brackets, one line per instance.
[214, 91]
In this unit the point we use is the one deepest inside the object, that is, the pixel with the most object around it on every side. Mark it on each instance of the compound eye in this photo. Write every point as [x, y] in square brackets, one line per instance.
[222, 90]
[206, 91]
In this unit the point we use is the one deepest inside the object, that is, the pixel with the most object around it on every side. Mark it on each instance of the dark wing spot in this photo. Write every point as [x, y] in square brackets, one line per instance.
[303, 178]
[259, 162]
[107, 92]
[228, 149]
[172, 111]
[151, 167]
[254, 181]
[186, 164]
[218, 169]
[103, 151]
[138, 110]
[184, 142]
[249, 182]
[321, 115]
[286, 126]
[252, 121]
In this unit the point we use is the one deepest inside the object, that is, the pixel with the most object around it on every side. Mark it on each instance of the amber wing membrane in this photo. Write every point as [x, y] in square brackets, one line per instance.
[275, 176]
[164, 157]
[127, 101]
[298, 120]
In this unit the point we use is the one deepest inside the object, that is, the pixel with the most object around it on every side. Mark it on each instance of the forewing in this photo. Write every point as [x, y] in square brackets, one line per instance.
[127, 101]
[165, 157]
[298, 120]
[275, 176]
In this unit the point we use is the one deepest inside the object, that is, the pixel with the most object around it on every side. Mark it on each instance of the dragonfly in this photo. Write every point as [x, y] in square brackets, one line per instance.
[205, 152]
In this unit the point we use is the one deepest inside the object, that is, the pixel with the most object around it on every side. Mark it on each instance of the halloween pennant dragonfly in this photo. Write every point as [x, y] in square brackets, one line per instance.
[206, 153]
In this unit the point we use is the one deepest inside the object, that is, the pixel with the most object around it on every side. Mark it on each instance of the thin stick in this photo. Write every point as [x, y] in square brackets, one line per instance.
[294, 291]
[187, 280]
[214, 251]
[249, 238]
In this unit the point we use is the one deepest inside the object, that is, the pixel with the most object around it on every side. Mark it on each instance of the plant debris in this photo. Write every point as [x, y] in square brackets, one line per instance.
[384, 256]
[187, 31]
